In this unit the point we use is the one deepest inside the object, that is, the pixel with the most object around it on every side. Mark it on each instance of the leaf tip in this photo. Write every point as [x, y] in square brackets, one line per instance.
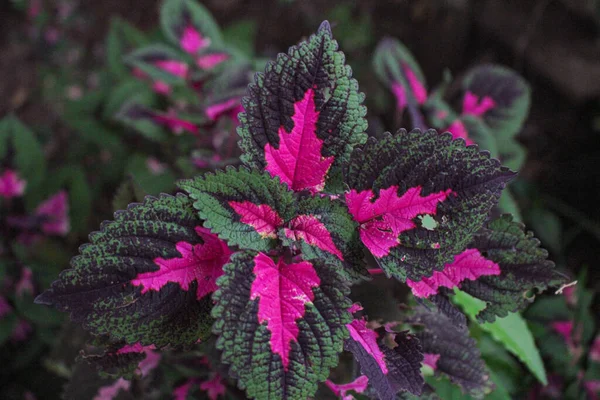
[325, 27]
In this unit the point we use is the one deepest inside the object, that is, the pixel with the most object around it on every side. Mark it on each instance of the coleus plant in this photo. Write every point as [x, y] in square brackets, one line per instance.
[200, 78]
[264, 255]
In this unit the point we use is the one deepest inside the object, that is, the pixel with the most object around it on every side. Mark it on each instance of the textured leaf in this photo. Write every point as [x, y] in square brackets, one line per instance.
[456, 353]
[281, 324]
[144, 277]
[469, 264]
[389, 369]
[189, 25]
[325, 231]
[498, 95]
[242, 206]
[397, 69]
[511, 331]
[523, 265]
[440, 191]
[126, 361]
[304, 115]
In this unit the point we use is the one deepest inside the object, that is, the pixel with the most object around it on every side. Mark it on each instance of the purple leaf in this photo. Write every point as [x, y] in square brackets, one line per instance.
[390, 369]
[11, 185]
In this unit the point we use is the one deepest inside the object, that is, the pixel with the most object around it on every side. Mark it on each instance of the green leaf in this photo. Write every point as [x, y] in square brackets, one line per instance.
[411, 174]
[150, 182]
[524, 268]
[312, 75]
[28, 156]
[511, 95]
[262, 306]
[319, 218]
[123, 283]
[268, 203]
[129, 90]
[148, 59]
[241, 34]
[176, 15]
[73, 179]
[512, 331]
[121, 38]
[459, 357]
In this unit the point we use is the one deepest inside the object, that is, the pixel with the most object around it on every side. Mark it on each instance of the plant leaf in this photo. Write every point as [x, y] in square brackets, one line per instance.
[161, 63]
[511, 331]
[145, 277]
[303, 115]
[457, 354]
[125, 360]
[242, 206]
[469, 264]
[439, 194]
[398, 70]
[190, 25]
[28, 157]
[325, 231]
[281, 324]
[508, 98]
[389, 369]
[523, 265]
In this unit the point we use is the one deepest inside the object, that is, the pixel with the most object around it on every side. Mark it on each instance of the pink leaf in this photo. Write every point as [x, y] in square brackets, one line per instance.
[25, 284]
[431, 360]
[110, 392]
[230, 108]
[459, 131]
[594, 350]
[177, 68]
[564, 329]
[55, 211]
[5, 308]
[298, 161]
[175, 124]
[21, 331]
[202, 263]
[214, 387]
[209, 61]
[400, 95]
[283, 290]
[367, 338]
[313, 232]
[472, 104]
[192, 41]
[181, 391]
[261, 217]
[417, 87]
[469, 264]
[359, 385]
[382, 220]
[11, 185]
